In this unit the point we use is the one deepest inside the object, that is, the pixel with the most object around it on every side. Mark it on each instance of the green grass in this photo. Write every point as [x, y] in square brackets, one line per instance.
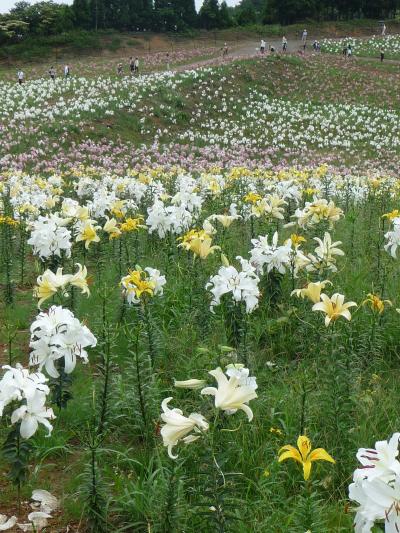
[338, 385]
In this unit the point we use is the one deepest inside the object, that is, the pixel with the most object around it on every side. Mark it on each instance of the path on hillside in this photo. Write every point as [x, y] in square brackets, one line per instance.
[251, 49]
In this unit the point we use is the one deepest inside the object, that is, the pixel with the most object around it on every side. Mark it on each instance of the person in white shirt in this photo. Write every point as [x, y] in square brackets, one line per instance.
[20, 76]
[383, 30]
[304, 36]
[284, 44]
[66, 71]
[136, 65]
[262, 46]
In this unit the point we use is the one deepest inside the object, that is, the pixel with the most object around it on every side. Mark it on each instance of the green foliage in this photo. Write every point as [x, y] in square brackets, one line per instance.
[17, 451]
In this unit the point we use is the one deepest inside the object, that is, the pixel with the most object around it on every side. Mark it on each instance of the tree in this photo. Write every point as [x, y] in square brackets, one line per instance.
[82, 14]
[246, 13]
[209, 14]
[13, 30]
[225, 19]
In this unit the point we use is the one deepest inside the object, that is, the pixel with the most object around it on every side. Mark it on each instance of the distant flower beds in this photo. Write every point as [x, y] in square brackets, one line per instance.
[389, 44]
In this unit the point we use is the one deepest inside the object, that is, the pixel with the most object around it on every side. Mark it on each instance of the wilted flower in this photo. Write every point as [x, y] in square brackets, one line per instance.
[7, 523]
[375, 303]
[38, 521]
[177, 426]
[44, 500]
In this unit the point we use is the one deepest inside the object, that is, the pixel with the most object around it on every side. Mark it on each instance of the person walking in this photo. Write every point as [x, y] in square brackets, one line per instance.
[119, 69]
[136, 65]
[262, 46]
[382, 55]
[304, 36]
[383, 30]
[20, 76]
[225, 50]
[66, 71]
[52, 73]
[349, 51]
[284, 44]
[132, 65]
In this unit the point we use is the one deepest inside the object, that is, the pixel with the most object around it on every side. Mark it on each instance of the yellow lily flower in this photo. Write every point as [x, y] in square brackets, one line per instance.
[190, 236]
[203, 247]
[132, 224]
[199, 242]
[303, 454]
[88, 234]
[137, 285]
[49, 283]
[296, 240]
[393, 214]
[117, 208]
[252, 198]
[8, 221]
[111, 227]
[334, 307]
[312, 291]
[375, 303]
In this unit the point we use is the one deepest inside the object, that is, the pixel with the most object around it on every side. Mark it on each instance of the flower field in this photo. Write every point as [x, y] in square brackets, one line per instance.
[199, 300]
[389, 44]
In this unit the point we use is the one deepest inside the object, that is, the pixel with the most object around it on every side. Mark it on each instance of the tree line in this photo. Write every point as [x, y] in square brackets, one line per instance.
[48, 18]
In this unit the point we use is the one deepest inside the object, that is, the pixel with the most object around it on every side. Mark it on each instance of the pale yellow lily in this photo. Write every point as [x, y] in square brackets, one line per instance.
[49, 283]
[334, 307]
[88, 234]
[202, 247]
[79, 279]
[111, 227]
[312, 291]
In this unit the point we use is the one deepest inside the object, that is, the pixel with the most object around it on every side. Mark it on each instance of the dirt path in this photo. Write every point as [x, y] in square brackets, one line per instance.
[251, 49]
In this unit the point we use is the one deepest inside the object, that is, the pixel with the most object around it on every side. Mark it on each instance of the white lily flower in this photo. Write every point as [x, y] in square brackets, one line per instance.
[37, 521]
[235, 393]
[45, 500]
[7, 523]
[190, 384]
[177, 426]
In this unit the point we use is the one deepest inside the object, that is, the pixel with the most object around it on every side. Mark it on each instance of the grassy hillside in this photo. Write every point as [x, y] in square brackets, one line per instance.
[296, 145]
[110, 43]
